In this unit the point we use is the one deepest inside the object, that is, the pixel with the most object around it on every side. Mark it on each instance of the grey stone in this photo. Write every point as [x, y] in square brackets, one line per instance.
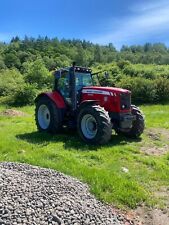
[36, 196]
[55, 218]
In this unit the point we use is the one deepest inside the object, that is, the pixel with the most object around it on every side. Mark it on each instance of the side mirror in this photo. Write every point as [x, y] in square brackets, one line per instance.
[106, 75]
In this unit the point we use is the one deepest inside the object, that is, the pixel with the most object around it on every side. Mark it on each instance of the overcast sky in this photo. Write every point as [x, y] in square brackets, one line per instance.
[100, 21]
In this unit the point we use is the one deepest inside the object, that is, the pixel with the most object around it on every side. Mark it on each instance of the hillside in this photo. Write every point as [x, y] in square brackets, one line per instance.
[26, 67]
[60, 53]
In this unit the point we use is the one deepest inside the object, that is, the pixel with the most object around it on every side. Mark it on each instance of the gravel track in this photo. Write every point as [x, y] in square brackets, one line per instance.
[32, 195]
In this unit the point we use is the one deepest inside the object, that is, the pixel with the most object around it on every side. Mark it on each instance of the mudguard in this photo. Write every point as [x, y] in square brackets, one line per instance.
[55, 97]
[88, 102]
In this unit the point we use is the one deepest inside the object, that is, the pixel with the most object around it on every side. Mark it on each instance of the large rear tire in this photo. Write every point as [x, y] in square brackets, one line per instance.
[94, 125]
[137, 126]
[47, 116]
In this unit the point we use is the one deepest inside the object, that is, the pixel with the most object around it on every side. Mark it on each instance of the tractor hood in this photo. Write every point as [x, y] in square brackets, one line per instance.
[104, 90]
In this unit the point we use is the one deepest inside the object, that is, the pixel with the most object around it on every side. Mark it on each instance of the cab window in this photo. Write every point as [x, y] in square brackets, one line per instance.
[63, 85]
[83, 80]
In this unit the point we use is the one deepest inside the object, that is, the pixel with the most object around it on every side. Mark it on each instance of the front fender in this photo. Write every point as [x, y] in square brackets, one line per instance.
[88, 102]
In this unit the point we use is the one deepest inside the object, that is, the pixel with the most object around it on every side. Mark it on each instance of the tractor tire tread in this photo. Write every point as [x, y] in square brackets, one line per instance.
[104, 124]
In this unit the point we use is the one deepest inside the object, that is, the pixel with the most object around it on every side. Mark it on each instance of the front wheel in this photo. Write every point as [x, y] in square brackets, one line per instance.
[94, 125]
[137, 127]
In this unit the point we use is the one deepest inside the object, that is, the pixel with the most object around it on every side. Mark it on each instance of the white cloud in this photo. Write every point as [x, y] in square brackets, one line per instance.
[149, 19]
[151, 5]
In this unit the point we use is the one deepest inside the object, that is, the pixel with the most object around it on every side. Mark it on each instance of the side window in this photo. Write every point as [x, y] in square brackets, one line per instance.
[63, 85]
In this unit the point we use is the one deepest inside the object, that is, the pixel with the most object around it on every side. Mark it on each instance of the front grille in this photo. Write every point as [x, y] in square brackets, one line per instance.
[125, 101]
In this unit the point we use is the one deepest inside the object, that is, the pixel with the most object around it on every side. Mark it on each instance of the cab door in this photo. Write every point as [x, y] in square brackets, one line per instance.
[63, 86]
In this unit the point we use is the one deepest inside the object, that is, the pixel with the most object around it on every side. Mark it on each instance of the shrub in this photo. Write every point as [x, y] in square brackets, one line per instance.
[11, 81]
[116, 74]
[122, 64]
[143, 90]
[14, 90]
[162, 89]
[26, 95]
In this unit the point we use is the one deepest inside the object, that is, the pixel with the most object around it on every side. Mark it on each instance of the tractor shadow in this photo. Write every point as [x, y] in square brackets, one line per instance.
[71, 140]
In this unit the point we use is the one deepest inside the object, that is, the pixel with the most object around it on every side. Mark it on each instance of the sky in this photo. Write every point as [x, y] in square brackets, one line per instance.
[121, 22]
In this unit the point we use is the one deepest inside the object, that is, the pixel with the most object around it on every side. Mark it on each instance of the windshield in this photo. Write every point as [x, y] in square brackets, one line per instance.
[85, 80]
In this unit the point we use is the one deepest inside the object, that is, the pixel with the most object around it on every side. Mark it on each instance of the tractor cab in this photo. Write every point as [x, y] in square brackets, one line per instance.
[70, 81]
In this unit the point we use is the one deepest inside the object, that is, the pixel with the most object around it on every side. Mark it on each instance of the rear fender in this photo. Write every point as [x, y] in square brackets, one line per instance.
[55, 97]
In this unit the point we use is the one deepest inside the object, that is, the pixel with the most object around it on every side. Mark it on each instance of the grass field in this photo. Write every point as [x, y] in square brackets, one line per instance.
[99, 166]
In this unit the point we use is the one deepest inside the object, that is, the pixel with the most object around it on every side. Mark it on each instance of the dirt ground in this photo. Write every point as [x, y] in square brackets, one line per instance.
[147, 216]
[155, 135]
[12, 112]
[154, 216]
[144, 215]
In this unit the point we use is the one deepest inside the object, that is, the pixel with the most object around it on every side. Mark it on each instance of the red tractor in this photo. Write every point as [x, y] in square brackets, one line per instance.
[78, 102]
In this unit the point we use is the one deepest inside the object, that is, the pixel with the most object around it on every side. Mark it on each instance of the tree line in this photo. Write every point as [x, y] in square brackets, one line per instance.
[26, 66]
[59, 53]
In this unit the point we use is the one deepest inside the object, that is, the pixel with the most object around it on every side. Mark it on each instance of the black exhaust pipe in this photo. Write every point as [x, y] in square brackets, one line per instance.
[73, 93]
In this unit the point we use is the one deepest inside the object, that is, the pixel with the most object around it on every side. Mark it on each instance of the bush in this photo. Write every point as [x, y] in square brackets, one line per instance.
[14, 90]
[116, 74]
[122, 64]
[11, 81]
[162, 89]
[26, 95]
[143, 90]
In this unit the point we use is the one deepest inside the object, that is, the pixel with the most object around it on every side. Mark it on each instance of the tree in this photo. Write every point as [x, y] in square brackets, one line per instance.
[2, 63]
[38, 74]
[49, 63]
[11, 60]
[15, 39]
[98, 55]
[81, 58]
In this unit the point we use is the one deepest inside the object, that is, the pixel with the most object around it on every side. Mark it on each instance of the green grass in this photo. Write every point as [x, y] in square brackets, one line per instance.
[99, 166]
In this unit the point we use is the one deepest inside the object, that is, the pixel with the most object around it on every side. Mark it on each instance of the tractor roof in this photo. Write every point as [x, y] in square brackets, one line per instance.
[77, 69]
[82, 69]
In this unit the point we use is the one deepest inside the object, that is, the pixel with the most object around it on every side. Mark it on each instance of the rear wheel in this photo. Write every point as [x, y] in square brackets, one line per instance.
[47, 116]
[137, 126]
[93, 125]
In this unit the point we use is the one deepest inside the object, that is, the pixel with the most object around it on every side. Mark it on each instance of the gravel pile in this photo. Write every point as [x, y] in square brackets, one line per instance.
[36, 196]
